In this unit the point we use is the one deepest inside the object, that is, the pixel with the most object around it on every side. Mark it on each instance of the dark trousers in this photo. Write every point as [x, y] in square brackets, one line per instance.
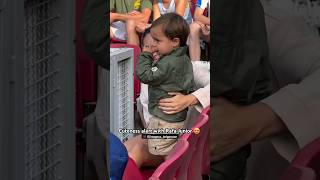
[96, 150]
[232, 167]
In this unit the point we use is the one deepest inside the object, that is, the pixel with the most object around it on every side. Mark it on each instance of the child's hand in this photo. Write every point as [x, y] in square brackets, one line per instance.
[155, 56]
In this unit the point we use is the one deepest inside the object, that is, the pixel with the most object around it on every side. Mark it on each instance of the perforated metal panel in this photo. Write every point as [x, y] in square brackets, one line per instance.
[46, 94]
[121, 92]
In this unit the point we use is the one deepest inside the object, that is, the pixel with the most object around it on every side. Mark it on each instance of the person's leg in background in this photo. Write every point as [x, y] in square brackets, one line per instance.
[195, 36]
[133, 36]
[194, 41]
[232, 167]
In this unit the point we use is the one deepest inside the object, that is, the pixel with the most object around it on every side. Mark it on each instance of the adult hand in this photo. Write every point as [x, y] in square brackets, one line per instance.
[133, 13]
[177, 103]
[205, 30]
[233, 126]
[141, 27]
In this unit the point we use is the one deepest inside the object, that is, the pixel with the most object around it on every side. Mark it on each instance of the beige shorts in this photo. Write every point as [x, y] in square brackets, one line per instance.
[162, 146]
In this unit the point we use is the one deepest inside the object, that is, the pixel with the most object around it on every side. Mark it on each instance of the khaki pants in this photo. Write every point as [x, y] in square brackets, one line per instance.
[162, 146]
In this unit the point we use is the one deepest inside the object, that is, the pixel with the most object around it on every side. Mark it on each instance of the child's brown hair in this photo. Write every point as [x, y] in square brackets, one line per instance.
[174, 26]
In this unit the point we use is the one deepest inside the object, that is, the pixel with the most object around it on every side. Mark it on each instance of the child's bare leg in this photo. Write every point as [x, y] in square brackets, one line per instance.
[138, 151]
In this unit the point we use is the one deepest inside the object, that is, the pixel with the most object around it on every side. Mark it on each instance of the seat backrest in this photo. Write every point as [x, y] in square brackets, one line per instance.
[206, 111]
[132, 171]
[197, 143]
[137, 51]
[309, 156]
[298, 173]
[170, 169]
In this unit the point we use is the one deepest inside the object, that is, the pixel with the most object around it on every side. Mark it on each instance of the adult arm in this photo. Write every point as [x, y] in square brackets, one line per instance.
[139, 17]
[235, 126]
[156, 11]
[181, 6]
[296, 60]
[198, 16]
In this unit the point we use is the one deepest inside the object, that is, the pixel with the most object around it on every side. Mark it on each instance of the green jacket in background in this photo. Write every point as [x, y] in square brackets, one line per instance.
[126, 6]
[171, 73]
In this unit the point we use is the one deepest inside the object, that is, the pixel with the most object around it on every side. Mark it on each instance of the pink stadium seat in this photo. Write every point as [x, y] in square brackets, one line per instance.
[309, 156]
[132, 171]
[306, 163]
[206, 111]
[298, 173]
[183, 162]
[137, 51]
[197, 143]
[117, 41]
[171, 168]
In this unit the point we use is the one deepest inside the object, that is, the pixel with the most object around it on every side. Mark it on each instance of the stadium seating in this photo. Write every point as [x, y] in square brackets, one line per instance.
[306, 164]
[172, 167]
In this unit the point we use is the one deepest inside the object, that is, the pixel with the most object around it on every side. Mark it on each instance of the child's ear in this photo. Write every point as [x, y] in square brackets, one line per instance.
[176, 42]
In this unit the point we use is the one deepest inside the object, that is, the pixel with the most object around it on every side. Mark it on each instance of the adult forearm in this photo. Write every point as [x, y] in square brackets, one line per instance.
[205, 20]
[126, 17]
[271, 124]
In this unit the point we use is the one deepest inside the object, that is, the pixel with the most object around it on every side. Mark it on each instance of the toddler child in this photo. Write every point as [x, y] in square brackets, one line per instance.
[172, 72]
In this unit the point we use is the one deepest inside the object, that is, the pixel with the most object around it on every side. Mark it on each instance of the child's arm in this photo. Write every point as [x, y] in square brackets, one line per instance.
[148, 73]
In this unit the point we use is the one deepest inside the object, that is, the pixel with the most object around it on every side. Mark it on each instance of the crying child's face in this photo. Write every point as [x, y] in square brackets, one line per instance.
[148, 40]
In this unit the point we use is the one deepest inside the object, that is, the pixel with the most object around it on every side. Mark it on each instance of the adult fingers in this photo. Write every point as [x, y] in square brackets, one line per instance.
[170, 112]
[174, 93]
[166, 100]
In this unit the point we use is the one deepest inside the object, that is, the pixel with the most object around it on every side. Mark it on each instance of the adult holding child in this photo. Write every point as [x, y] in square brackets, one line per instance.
[168, 80]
